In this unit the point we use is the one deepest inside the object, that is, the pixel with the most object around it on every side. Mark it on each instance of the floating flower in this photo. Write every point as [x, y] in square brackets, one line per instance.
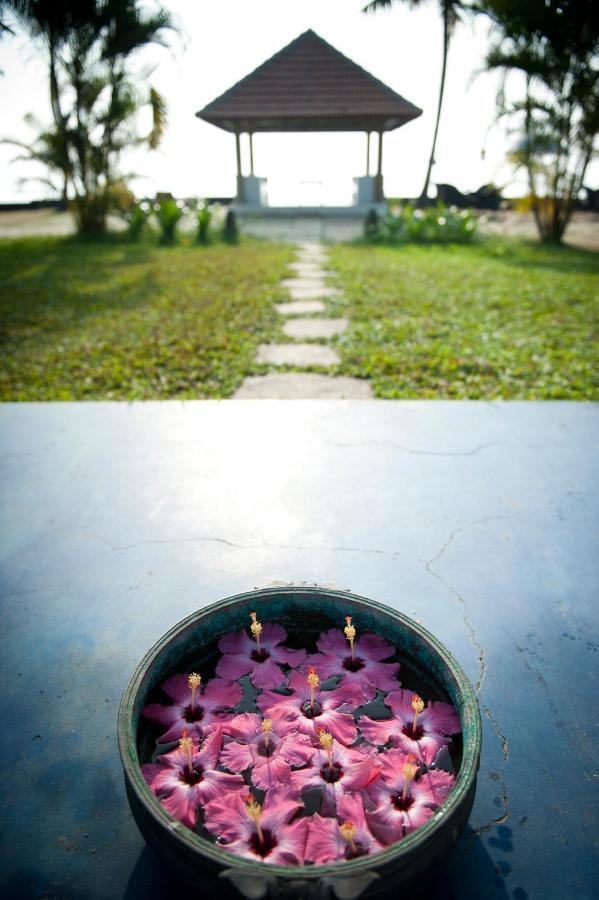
[187, 778]
[261, 833]
[308, 709]
[345, 837]
[259, 744]
[401, 799]
[260, 655]
[414, 728]
[337, 770]
[193, 709]
[360, 664]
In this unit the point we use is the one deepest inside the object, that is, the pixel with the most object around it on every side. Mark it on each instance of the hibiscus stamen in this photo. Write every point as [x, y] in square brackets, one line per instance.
[326, 742]
[417, 706]
[194, 681]
[350, 633]
[313, 682]
[348, 833]
[186, 744]
[266, 728]
[256, 629]
[409, 772]
[254, 811]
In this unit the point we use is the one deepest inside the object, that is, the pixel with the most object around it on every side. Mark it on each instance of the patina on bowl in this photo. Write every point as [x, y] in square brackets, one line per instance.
[304, 612]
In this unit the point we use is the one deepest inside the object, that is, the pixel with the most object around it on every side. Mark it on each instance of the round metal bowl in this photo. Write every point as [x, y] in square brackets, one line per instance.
[304, 612]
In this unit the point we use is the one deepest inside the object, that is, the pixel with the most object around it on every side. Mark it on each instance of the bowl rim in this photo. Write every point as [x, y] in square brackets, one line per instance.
[127, 741]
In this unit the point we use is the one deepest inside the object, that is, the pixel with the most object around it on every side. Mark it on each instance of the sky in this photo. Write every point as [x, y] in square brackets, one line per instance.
[219, 43]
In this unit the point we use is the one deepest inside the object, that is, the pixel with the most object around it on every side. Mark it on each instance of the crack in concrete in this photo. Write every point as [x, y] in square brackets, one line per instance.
[263, 546]
[411, 450]
[503, 740]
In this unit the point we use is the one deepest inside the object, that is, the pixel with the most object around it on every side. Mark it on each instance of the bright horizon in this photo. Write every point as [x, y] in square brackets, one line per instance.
[223, 43]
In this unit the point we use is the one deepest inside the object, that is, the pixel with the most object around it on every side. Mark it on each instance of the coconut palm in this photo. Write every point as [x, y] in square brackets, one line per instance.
[93, 94]
[450, 14]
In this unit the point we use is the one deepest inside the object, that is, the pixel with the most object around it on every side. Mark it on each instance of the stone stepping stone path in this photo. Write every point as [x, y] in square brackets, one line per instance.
[308, 291]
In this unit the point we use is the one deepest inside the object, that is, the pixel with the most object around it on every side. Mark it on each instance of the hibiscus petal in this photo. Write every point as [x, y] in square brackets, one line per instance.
[210, 749]
[425, 748]
[243, 726]
[214, 784]
[291, 844]
[163, 715]
[326, 665]
[377, 731]
[293, 658]
[271, 635]
[280, 809]
[233, 667]
[324, 843]
[236, 757]
[226, 817]
[382, 675]
[221, 694]
[272, 772]
[440, 717]
[237, 643]
[333, 643]
[267, 674]
[305, 779]
[177, 688]
[371, 646]
[150, 772]
[340, 725]
[436, 785]
[182, 804]
[297, 749]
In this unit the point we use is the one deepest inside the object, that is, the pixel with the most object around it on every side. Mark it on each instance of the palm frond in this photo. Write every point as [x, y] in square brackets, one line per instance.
[159, 118]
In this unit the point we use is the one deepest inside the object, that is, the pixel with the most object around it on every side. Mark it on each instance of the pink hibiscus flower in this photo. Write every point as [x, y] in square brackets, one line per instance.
[262, 656]
[261, 833]
[194, 710]
[336, 770]
[187, 778]
[419, 733]
[259, 744]
[359, 661]
[402, 798]
[331, 710]
[345, 837]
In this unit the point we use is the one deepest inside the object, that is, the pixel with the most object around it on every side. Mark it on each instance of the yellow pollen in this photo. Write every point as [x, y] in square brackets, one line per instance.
[256, 628]
[254, 811]
[194, 681]
[409, 771]
[266, 725]
[348, 833]
[313, 679]
[326, 740]
[349, 630]
[185, 744]
[417, 704]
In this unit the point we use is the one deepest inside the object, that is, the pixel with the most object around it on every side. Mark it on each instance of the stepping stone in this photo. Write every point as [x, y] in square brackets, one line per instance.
[300, 386]
[300, 307]
[314, 328]
[301, 283]
[309, 270]
[297, 355]
[313, 292]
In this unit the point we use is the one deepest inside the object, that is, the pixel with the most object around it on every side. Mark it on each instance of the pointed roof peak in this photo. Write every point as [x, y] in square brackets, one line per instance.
[309, 85]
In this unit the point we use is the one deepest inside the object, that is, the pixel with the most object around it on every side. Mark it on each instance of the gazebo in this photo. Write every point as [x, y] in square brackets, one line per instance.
[309, 86]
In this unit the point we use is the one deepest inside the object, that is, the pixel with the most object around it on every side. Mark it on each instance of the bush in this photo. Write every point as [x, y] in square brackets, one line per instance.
[230, 230]
[168, 215]
[204, 216]
[435, 225]
[136, 218]
[371, 224]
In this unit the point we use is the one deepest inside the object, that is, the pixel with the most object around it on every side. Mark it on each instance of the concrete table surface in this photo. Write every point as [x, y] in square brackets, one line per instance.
[478, 519]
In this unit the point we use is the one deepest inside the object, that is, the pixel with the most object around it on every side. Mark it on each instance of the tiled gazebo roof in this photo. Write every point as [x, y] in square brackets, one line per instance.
[309, 86]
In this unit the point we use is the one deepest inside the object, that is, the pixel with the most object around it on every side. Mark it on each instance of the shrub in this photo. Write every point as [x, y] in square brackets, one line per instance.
[136, 218]
[168, 215]
[435, 225]
[371, 224]
[204, 216]
[230, 230]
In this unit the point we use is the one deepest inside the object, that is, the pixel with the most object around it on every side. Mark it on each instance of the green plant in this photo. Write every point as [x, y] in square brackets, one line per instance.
[371, 224]
[136, 218]
[230, 230]
[168, 215]
[434, 225]
[204, 217]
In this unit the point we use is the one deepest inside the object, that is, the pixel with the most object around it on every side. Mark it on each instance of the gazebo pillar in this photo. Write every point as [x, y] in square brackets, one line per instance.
[240, 191]
[250, 135]
[379, 196]
[368, 153]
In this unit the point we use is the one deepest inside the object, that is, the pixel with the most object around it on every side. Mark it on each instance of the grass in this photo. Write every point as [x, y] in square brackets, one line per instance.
[114, 320]
[497, 319]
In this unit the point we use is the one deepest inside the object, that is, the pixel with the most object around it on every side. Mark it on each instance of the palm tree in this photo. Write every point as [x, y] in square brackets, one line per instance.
[450, 14]
[93, 94]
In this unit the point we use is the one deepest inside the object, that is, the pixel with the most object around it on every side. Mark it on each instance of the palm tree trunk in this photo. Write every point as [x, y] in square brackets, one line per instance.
[422, 200]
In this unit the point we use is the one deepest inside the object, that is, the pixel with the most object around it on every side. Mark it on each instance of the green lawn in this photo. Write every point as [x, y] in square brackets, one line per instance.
[116, 320]
[493, 320]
